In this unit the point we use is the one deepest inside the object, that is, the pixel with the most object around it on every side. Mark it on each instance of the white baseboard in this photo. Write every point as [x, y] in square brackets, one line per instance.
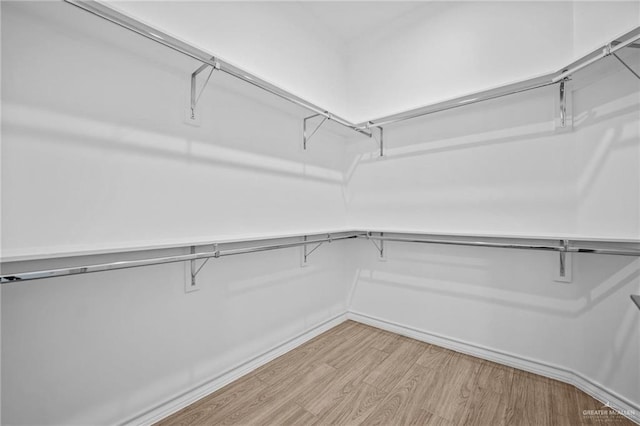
[177, 403]
[596, 390]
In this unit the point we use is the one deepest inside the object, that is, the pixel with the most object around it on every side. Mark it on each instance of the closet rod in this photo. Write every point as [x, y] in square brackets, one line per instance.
[486, 95]
[165, 39]
[547, 247]
[125, 264]
[571, 246]
[626, 40]
[607, 50]
[158, 36]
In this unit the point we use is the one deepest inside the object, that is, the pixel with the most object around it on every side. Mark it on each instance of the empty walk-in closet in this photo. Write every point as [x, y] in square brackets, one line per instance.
[320, 212]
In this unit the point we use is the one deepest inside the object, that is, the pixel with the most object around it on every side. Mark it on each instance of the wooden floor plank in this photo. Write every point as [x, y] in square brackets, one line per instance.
[529, 400]
[288, 413]
[391, 370]
[435, 357]
[311, 352]
[273, 398]
[485, 407]
[387, 341]
[495, 377]
[403, 404]
[354, 345]
[356, 374]
[354, 407]
[456, 378]
[218, 404]
[333, 390]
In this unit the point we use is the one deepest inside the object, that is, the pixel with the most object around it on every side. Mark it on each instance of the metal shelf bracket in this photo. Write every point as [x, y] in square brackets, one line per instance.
[380, 138]
[565, 264]
[564, 122]
[306, 137]
[626, 65]
[306, 252]
[195, 97]
[608, 50]
[563, 105]
[195, 270]
[380, 248]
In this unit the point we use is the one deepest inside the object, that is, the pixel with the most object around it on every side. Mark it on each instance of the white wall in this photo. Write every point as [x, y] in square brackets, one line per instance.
[95, 156]
[443, 50]
[502, 168]
[277, 41]
[598, 22]
[103, 348]
[93, 122]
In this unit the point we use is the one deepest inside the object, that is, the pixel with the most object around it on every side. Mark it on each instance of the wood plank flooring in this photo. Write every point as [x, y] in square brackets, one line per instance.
[355, 374]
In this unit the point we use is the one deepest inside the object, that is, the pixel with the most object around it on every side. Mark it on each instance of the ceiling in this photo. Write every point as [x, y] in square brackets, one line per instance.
[348, 21]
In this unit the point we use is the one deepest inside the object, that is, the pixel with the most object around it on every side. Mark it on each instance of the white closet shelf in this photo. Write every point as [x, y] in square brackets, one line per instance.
[561, 244]
[207, 59]
[215, 63]
[610, 49]
[554, 237]
[43, 253]
[565, 245]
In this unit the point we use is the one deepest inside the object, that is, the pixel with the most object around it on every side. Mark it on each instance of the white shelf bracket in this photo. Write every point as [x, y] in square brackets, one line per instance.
[195, 97]
[306, 137]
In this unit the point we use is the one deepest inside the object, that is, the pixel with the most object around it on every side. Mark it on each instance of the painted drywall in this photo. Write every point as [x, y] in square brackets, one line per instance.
[279, 41]
[104, 348]
[505, 167]
[443, 50]
[96, 155]
[596, 23]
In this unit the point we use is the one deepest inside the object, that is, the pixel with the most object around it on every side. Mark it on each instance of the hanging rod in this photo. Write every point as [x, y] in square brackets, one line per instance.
[158, 36]
[564, 246]
[126, 264]
[627, 40]
[485, 95]
[569, 246]
[607, 50]
[165, 39]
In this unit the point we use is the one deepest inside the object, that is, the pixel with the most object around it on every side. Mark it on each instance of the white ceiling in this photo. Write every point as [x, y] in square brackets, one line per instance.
[348, 21]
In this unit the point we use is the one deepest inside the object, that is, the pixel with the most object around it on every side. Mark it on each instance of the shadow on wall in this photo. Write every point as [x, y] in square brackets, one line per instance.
[603, 96]
[502, 277]
[143, 98]
[59, 129]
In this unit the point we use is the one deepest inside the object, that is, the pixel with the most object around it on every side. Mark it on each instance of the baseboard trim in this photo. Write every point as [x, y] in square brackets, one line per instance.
[590, 387]
[178, 402]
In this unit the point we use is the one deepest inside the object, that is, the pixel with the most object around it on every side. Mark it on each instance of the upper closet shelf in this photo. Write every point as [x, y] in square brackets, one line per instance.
[371, 128]
[208, 60]
[559, 77]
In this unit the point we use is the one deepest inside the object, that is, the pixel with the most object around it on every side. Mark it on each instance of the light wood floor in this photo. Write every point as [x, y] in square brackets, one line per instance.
[356, 374]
